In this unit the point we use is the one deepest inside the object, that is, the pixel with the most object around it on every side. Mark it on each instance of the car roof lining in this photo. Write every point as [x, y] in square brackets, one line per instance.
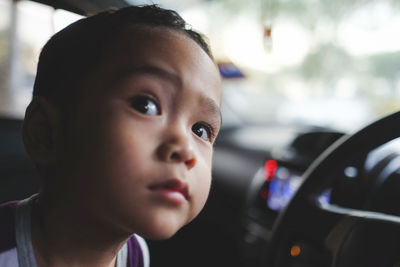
[86, 7]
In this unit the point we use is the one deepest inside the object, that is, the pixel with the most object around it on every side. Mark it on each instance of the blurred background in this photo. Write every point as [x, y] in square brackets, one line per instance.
[297, 75]
[314, 62]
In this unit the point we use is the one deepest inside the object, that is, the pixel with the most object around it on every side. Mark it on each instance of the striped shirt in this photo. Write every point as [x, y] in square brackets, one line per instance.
[16, 245]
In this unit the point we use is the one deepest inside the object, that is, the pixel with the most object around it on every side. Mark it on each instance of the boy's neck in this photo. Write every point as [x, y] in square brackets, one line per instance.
[63, 235]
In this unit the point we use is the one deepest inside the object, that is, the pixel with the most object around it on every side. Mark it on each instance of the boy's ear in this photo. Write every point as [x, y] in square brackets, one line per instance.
[40, 131]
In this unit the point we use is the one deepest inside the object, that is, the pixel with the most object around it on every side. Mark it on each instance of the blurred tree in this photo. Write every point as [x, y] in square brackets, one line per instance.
[387, 66]
[328, 62]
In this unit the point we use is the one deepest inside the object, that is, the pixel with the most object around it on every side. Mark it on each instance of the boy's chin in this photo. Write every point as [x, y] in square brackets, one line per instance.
[160, 233]
[160, 229]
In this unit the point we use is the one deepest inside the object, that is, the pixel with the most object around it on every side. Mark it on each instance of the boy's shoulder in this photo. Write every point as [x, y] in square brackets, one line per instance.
[137, 251]
[138, 254]
[7, 226]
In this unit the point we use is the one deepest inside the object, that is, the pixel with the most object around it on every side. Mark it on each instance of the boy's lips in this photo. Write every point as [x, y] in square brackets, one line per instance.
[172, 186]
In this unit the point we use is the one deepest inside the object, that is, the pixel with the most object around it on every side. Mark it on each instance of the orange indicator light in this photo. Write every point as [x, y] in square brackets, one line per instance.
[295, 251]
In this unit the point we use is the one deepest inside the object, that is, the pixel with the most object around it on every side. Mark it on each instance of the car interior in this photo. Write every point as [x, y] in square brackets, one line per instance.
[285, 192]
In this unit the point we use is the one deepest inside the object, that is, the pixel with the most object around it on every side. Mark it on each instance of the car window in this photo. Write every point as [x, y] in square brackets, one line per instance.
[25, 26]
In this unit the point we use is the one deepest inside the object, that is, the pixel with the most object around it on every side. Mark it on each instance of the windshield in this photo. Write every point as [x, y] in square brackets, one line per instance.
[325, 63]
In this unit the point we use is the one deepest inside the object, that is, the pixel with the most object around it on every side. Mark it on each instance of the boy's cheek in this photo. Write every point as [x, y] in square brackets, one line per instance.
[201, 184]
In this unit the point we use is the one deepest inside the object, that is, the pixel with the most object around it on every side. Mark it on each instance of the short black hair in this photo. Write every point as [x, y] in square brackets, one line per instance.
[72, 53]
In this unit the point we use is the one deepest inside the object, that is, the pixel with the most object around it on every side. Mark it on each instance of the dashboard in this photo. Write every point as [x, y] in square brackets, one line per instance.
[277, 180]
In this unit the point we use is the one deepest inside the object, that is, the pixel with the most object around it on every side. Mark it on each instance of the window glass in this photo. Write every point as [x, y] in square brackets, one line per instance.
[5, 8]
[25, 26]
[325, 63]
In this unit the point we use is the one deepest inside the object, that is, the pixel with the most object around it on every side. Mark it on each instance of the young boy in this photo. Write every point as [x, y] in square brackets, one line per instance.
[121, 127]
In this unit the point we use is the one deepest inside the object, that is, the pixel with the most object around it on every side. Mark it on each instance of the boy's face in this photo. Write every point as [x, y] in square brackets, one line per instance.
[138, 148]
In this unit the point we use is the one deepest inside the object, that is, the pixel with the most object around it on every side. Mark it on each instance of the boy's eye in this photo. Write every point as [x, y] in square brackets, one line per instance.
[203, 130]
[146, 105]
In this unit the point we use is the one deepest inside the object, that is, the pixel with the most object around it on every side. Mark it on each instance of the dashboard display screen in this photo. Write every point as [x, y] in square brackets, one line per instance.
[282, 188]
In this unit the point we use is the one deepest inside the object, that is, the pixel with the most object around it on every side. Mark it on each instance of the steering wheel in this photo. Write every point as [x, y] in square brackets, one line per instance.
[311, 232]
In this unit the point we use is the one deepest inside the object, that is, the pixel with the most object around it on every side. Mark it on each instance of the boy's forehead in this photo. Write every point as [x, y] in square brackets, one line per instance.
[169, 52]
[144, 43]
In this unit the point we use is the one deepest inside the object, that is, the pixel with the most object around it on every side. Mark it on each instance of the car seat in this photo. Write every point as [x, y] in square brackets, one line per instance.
[18, 176]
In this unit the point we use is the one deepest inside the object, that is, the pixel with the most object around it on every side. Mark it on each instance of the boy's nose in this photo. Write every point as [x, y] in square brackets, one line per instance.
[177, 150]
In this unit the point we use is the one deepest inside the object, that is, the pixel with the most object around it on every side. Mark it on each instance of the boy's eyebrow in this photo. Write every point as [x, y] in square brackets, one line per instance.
[212, 107]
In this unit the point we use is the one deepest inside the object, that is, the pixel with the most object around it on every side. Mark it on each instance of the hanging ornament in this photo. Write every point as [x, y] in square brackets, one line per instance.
[267, 18]
[267, 38]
